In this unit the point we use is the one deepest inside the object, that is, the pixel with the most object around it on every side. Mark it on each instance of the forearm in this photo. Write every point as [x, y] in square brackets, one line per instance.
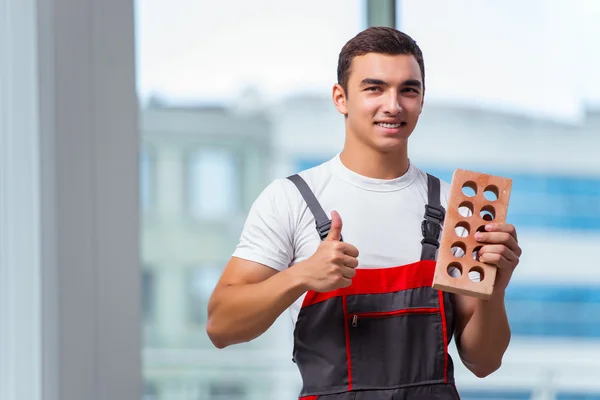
[240, 313]
[486, 336]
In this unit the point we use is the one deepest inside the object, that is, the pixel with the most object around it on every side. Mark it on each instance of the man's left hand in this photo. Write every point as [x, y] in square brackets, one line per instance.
[501, 249]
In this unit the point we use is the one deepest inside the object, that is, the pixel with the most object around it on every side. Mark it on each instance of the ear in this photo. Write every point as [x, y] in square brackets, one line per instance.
[339, 99]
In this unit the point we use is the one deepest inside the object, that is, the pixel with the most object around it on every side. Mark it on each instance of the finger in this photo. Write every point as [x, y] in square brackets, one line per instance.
[345, 282]
[502, 227]
[499, 238]
[349, 261]
[495, 259]
[350, 250]
[499, 249]
[348, 272]
[335, 232]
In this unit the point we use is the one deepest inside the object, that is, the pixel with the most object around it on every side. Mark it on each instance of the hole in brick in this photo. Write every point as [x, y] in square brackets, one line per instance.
[462, 229]
[465, 209]
[481, 229]
[469, 189]
[476, 274]
[488, 213]
[491, 193]
[458, 249]
[455, 270]
[476, 253]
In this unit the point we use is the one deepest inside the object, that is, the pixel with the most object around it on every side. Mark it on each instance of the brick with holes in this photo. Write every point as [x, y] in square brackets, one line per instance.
[474, 200]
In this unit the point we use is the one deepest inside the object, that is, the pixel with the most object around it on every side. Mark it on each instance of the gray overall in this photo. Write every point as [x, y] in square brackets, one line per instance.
[384, 337]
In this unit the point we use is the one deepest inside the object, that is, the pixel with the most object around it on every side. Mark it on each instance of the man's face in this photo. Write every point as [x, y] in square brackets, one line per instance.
[383, 101]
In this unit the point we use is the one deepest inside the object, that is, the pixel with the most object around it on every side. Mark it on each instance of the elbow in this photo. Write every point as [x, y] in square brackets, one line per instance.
[488, 364]
[215, 329]
[222, 336]
[482, 367]
[217, 338]
[485, 370]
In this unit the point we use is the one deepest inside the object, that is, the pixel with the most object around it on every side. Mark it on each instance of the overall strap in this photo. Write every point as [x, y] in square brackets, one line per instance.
[432, 223]
[322, 222]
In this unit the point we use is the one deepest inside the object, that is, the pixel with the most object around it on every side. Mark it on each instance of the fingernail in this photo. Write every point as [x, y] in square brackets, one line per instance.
[477, 235]
[488, 227]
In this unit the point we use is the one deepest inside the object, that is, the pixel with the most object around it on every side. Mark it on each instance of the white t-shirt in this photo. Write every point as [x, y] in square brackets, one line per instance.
[381, 218]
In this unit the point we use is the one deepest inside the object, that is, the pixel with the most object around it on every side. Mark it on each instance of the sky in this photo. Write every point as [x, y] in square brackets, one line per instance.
[536, 57]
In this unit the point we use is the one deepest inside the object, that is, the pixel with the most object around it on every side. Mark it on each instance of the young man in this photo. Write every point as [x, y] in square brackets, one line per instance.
[368, 325]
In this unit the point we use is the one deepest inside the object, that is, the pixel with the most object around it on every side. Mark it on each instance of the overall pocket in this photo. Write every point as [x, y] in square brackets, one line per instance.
[396, 348]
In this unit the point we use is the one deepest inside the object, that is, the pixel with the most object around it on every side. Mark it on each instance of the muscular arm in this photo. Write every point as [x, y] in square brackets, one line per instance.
[482, 332]
[247, 300]
[482, 328]
[250, 296]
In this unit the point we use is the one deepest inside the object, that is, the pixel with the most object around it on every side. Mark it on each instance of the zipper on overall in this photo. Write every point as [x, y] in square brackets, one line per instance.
[387, 314]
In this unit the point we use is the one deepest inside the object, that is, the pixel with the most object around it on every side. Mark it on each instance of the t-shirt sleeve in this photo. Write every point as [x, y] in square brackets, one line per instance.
[267, 236]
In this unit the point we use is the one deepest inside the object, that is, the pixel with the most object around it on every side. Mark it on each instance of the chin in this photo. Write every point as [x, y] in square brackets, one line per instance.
[398, 138]
[390, 146]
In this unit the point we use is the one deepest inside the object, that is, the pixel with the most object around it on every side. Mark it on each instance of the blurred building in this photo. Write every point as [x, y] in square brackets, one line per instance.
[201, 169]
[203, 166]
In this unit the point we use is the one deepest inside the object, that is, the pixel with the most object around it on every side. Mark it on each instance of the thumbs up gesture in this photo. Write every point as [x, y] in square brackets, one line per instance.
[333, 264]
[335, 232]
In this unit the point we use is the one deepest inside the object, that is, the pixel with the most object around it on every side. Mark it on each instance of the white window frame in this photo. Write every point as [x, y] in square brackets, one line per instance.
[69, 179]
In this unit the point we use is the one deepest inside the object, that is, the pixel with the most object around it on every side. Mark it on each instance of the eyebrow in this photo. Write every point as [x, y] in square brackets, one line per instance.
[371, 81]
[408, 82]
[412, 82]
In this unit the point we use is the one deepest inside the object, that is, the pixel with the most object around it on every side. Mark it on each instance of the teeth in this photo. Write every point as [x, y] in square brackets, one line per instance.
[384, 125]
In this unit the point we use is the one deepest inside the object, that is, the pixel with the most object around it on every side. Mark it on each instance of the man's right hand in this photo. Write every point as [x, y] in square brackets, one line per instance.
[333, 264]
[250, 296]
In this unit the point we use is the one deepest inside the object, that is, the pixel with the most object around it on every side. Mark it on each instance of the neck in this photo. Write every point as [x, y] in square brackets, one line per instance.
[372, 163]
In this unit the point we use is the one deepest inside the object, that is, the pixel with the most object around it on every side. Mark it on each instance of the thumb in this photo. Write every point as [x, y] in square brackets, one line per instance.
[335, 232]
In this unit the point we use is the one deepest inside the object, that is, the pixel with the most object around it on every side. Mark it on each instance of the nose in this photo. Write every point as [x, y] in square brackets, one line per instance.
[392, 103]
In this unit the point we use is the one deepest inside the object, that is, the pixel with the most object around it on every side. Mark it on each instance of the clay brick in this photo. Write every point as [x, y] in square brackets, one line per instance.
[479, 210]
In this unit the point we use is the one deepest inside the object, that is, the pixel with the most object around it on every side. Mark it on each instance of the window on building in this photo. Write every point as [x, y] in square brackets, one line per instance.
[214, 185]
[578, 396]
[146, 168]
[553, 310]
[148, 294]
[201, 282]
[149, 391]
[492, 395]
[541, 201]
[227, 391]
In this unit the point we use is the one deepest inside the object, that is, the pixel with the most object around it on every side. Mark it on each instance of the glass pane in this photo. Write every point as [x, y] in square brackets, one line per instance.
[223, 391]
[146, 175]
[149, 392]
[148, 295]
[214, 184]
[236, 94]
[213, 100]
[200, 284]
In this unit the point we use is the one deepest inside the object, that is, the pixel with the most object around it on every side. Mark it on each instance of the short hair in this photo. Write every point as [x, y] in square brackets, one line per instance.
[379, 39]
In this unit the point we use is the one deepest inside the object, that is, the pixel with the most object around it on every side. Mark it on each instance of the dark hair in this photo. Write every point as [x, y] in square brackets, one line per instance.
[377, 39]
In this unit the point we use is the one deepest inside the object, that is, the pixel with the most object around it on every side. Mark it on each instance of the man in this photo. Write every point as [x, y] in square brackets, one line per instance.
[368, 325]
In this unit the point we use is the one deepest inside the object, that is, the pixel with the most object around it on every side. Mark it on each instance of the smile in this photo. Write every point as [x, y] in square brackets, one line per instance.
[391, 126]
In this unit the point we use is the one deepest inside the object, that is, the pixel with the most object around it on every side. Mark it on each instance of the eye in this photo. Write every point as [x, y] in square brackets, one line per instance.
[372, 89]
[413, 90]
